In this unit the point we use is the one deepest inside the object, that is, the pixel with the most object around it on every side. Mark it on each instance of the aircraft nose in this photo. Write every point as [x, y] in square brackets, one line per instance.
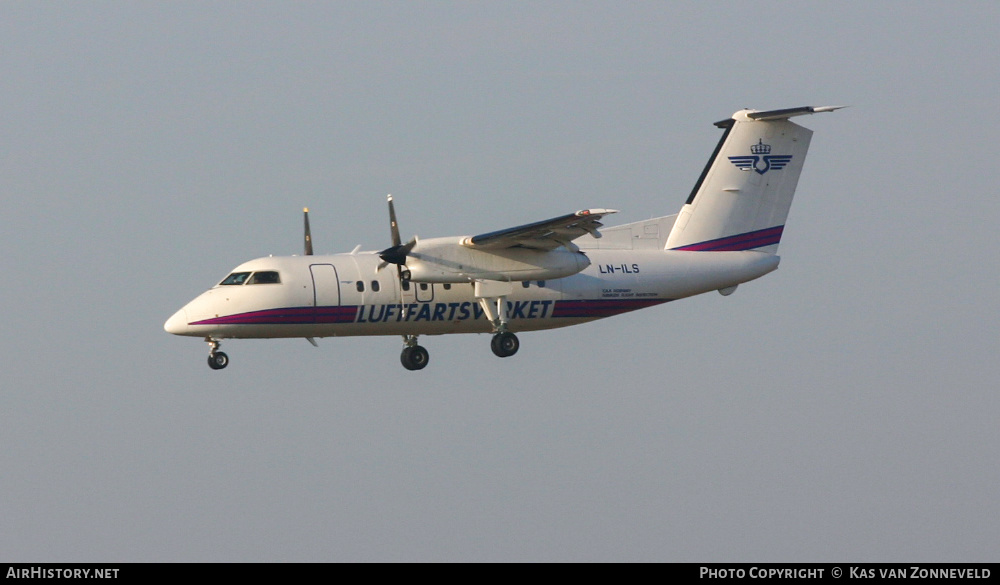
[177, 323]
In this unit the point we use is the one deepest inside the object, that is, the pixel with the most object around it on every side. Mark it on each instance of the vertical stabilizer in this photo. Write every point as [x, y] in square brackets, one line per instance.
[742, 198]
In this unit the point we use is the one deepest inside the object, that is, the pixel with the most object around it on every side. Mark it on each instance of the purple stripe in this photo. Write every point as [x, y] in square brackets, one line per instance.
[746, 241]
[287, 316]
[307, 315]
[601, 308]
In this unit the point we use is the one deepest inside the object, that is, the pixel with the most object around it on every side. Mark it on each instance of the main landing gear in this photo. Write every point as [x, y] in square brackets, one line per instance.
[492, 298]
[216, 359]
[414, 357]
[504, 344]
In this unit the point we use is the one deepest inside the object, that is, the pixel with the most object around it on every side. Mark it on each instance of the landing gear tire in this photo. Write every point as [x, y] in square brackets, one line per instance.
[414, 357]
[218, 360]
[504, 344]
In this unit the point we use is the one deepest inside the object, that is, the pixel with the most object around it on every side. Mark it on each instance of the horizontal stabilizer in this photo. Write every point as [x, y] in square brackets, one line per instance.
[789, 112]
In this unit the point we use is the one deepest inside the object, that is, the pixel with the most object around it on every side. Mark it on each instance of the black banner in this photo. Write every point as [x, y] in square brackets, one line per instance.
[719, 572]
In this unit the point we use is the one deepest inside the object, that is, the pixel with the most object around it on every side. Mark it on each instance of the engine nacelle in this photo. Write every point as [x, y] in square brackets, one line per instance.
[447, 260]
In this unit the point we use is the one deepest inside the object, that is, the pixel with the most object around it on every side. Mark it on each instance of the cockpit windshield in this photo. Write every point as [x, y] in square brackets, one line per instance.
[235, 278]
[269, 277]
[262, 277]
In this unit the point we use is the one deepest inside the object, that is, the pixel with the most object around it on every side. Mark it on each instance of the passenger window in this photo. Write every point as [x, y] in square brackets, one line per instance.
[525, 283]
[236, 278]
[541, 283]
[360, 285]
[423, 286]
[269, 277]
[406, 285]
[375, 286]
[447, 286]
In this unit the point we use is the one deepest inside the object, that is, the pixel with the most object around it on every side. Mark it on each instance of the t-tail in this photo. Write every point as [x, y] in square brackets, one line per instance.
[742, 198]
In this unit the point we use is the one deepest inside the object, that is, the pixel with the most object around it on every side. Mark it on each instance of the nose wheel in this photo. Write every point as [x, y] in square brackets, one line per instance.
[217, 360]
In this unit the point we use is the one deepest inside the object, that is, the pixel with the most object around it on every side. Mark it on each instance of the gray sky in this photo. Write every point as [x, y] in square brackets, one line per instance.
[842, 408]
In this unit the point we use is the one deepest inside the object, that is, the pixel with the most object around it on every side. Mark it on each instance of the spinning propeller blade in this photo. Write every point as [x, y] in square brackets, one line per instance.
[309, 241]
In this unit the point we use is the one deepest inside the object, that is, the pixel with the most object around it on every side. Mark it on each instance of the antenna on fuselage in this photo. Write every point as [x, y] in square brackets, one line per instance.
[309, 241]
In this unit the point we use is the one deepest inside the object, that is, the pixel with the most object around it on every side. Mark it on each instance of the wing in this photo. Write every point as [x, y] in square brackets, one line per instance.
[744, 163]
[777, 162]
[543, 235]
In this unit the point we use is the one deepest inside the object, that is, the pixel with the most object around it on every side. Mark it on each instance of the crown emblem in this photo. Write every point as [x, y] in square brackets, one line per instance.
[760, 147]
[761, 153]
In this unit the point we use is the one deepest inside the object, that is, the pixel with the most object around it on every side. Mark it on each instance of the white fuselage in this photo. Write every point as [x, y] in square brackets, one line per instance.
[344, 295]
[556, 272]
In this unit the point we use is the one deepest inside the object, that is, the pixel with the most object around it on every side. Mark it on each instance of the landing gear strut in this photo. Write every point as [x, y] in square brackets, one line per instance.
[216, 359]
[414, 357]
[492, 297]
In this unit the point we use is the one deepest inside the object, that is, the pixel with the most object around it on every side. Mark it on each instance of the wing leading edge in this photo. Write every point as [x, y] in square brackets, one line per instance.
[548, 234]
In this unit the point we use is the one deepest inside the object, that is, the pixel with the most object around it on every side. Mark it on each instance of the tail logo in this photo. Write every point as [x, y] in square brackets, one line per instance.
[761, 151]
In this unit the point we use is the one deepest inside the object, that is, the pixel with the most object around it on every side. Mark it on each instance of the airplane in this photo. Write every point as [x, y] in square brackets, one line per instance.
[553, 273]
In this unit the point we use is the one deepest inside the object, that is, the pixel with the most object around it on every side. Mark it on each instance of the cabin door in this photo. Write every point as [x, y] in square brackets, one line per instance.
[326, 285]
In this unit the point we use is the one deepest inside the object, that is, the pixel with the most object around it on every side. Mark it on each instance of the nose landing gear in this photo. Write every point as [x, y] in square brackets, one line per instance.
[216, 359]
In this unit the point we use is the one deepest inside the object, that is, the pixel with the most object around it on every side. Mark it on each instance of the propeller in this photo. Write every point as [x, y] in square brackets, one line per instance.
[309, 241]
[395, 254]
